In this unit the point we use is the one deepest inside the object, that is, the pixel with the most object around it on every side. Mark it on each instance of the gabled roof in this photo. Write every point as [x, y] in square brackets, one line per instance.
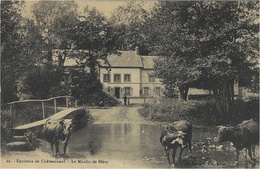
[126, 59]
[148, 61]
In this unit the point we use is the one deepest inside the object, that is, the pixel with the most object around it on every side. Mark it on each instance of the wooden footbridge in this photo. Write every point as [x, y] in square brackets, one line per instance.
[37, 125]
[19, 132]
[43, 101]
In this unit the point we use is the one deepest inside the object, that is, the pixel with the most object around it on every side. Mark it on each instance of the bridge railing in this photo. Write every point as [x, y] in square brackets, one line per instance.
[44, 103]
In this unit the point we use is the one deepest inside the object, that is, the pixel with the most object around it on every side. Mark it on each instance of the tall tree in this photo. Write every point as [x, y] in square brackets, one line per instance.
[13, 63]
[129, 21]
[213, 43]
[169, 26]
[54, 18]
[94, 38]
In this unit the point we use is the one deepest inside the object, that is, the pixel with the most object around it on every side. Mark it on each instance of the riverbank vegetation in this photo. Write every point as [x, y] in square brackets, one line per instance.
[198, 112]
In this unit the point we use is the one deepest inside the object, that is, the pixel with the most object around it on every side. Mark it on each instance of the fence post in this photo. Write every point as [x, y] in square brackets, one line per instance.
[55, 105]
[11, 111]
[76, 103]
[67, 102]
[43, 111]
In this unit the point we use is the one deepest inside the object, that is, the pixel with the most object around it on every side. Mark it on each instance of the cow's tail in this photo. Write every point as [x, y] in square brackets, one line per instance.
[161, 138]
[190, 138]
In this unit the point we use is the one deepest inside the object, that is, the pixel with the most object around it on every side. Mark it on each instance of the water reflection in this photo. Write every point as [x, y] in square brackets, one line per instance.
[117, 140]
[139, 143]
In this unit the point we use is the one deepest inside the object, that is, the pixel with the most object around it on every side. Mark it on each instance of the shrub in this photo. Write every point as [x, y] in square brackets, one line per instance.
[244, 110]
[101, 99]
[40, 81]
[82, 85]
[199, 112]
[6, 128]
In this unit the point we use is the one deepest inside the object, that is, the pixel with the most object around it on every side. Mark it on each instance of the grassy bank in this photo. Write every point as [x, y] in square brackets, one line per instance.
[198, 112]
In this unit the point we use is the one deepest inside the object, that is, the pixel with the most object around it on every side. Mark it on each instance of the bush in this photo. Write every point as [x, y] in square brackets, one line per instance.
[6, 128]
[101, 99]
[199, 112]
[40, 81]
[83, 85]
[244, 110]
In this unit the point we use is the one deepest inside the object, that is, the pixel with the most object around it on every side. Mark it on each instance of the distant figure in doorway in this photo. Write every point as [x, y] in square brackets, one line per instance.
[128, 101]
[125, 99]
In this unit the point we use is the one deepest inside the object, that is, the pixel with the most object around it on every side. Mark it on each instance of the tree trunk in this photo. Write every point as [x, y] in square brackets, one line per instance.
[183, 89]
[92, 65]
[224, 98]
[217, 98]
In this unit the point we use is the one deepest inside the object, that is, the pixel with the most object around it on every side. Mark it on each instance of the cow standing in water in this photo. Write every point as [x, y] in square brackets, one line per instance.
[56, 130]
[244, 135]
[175, 135]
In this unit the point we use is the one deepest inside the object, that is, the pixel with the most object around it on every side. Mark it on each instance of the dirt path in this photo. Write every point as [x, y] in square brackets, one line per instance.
[119, 114]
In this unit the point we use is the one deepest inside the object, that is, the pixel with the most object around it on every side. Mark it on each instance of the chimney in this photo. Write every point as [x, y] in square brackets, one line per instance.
[136, 50]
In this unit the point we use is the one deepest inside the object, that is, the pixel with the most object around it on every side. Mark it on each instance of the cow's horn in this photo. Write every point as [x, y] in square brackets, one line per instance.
[181, 132]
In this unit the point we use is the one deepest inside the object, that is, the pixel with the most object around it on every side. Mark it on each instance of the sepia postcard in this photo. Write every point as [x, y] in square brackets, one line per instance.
[129, 84]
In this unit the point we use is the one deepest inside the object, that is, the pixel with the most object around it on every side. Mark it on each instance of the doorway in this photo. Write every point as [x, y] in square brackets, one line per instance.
[117, 92]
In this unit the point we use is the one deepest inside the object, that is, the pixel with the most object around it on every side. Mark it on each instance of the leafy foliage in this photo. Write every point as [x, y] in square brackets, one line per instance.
[93, 35]
[199, 112]
[129, 22]
[206, 45]
[20, 48]
[82, 85]
[9, 49]
[54, 22]
[40, 81]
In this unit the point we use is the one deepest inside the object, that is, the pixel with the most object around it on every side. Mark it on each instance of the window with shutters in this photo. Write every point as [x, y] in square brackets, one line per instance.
[128, 91]
[106, 78]
[158, 90]
[146, 91]
[117, 78]
[127, 78]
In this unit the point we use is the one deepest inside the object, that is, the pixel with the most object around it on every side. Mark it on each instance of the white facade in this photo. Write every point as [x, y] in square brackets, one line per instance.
[130, 74]
[137, 86]
[116, 87]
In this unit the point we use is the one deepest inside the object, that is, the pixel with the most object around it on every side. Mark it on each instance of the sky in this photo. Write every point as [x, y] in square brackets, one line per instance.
[104, 6]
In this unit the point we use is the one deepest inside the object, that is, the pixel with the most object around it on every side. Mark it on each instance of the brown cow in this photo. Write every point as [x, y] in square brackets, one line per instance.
[175, 135]
[253, 127]
[56, 130]
[244, 135]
